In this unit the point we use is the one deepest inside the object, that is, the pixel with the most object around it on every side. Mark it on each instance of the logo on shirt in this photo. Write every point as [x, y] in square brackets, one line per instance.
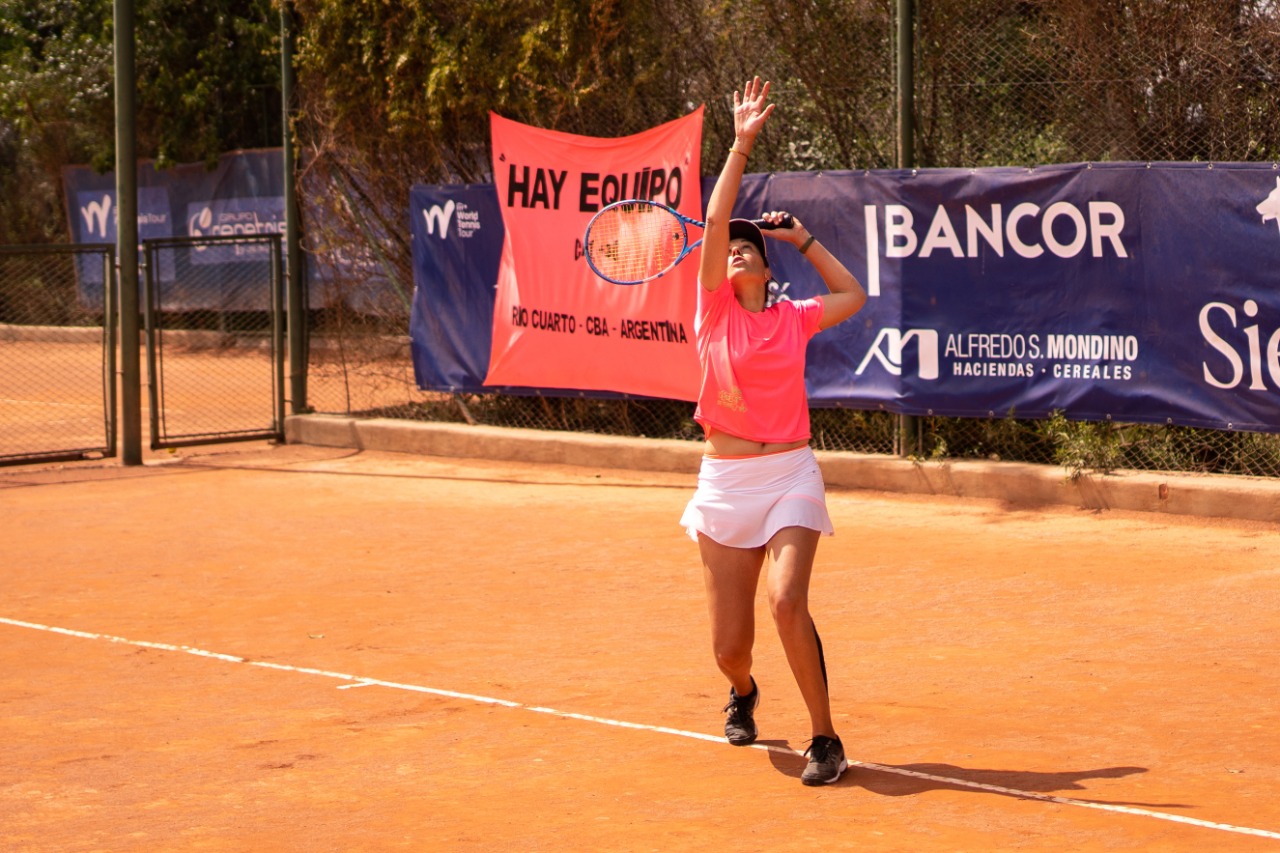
[731, 398]
[890, 344]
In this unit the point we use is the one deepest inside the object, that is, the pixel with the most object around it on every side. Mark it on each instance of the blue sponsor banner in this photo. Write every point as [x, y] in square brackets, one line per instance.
[457, 235]
[1129, 292]
[242, 194]
[1001, 272]
[1134, 292]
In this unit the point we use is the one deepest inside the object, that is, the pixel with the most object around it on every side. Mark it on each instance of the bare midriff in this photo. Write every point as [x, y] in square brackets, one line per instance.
[724, 444]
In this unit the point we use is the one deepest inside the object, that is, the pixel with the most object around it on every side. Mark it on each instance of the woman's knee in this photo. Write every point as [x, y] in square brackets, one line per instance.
[733, 657]
[790, 610]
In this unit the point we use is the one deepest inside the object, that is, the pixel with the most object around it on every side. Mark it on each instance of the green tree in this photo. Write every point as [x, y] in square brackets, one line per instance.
[394, 94]
[208, 82]
[208, 78]
[55, 106]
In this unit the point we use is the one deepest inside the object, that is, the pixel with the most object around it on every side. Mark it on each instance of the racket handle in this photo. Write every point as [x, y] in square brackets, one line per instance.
[786, 222]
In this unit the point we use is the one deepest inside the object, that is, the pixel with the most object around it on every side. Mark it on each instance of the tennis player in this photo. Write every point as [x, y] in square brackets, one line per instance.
[760, 492]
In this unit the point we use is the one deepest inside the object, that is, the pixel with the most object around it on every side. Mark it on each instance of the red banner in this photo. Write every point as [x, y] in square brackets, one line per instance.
[555, 323]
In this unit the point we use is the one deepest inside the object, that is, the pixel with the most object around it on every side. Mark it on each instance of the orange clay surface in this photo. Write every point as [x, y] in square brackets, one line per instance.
[315, 649]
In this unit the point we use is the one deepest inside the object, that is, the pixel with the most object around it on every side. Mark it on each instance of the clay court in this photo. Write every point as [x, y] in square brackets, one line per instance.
[256, 647]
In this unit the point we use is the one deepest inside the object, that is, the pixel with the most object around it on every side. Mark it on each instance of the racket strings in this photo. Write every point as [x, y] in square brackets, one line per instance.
[635, 242]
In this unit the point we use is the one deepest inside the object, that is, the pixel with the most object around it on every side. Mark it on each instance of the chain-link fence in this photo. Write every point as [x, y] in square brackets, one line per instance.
[997, 83]
[57, 353]
[1004, 83]
[215, 354]
[1029, 83]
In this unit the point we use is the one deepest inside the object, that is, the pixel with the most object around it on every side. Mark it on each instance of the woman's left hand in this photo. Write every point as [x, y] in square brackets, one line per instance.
[795, 233]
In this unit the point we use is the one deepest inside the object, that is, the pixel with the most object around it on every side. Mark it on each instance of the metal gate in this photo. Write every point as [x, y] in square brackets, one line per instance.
[57, 353]
[214, 322]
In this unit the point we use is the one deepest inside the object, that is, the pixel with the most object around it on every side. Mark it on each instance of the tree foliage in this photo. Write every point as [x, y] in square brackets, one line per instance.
[55, 103]
[420, 78]
[207, 80]
[393, 93]
[397, 94]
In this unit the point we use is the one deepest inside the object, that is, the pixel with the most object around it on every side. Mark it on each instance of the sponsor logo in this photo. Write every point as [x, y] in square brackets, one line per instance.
[999, 355]
[1270, 206]
[1220, 326]
[95, 215]
[226, 223]
[1241, 353]
[776, 291]
[439, 217]
[888, 348]
[235, 217]
[100, 215]
[1026, 230]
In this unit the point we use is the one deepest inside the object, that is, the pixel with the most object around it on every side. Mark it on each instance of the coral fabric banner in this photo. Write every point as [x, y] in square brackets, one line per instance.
[555, 323]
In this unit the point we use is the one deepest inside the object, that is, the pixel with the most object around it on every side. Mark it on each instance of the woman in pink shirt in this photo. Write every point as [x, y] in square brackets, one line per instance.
[760, 492]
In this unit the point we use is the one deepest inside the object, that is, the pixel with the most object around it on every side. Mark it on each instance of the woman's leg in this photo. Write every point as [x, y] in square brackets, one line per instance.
[792, 551]
[732, 576]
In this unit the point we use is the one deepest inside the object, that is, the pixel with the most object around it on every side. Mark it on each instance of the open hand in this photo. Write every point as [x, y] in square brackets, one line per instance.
[749, 109]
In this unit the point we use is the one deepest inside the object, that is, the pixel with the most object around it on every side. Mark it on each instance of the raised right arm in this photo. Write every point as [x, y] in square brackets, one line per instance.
[749, 116]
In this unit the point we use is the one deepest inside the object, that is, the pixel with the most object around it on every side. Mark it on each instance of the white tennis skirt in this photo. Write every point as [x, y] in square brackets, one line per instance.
[742, 502]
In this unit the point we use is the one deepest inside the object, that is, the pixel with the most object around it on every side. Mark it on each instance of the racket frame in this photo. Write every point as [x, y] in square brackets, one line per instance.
[684, 221]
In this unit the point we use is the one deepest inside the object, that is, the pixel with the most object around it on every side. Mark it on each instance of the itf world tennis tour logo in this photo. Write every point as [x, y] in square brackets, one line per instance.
[439, 217]
[99, 214]
[96, 215]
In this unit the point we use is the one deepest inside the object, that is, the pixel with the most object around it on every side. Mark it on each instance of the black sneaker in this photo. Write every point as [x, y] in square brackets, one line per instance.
[826, 761]
[740, 725]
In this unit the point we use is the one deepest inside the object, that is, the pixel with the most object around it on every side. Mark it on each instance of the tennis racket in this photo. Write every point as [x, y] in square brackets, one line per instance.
[637, 240]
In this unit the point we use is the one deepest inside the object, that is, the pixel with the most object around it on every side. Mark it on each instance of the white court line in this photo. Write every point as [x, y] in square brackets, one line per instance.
[359, 681]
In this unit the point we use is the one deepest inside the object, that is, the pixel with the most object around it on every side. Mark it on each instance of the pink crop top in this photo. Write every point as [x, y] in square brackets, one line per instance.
[753, 366]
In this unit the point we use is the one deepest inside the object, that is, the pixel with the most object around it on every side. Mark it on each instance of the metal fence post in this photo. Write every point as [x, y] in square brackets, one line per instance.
[296, 299]
[277, 337]
[127, 234]
[908, 425]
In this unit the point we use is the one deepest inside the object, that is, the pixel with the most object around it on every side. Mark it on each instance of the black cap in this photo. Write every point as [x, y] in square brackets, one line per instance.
[745, 229]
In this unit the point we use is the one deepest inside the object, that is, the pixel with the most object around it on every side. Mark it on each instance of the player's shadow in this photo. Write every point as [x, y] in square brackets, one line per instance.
[905, 780]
